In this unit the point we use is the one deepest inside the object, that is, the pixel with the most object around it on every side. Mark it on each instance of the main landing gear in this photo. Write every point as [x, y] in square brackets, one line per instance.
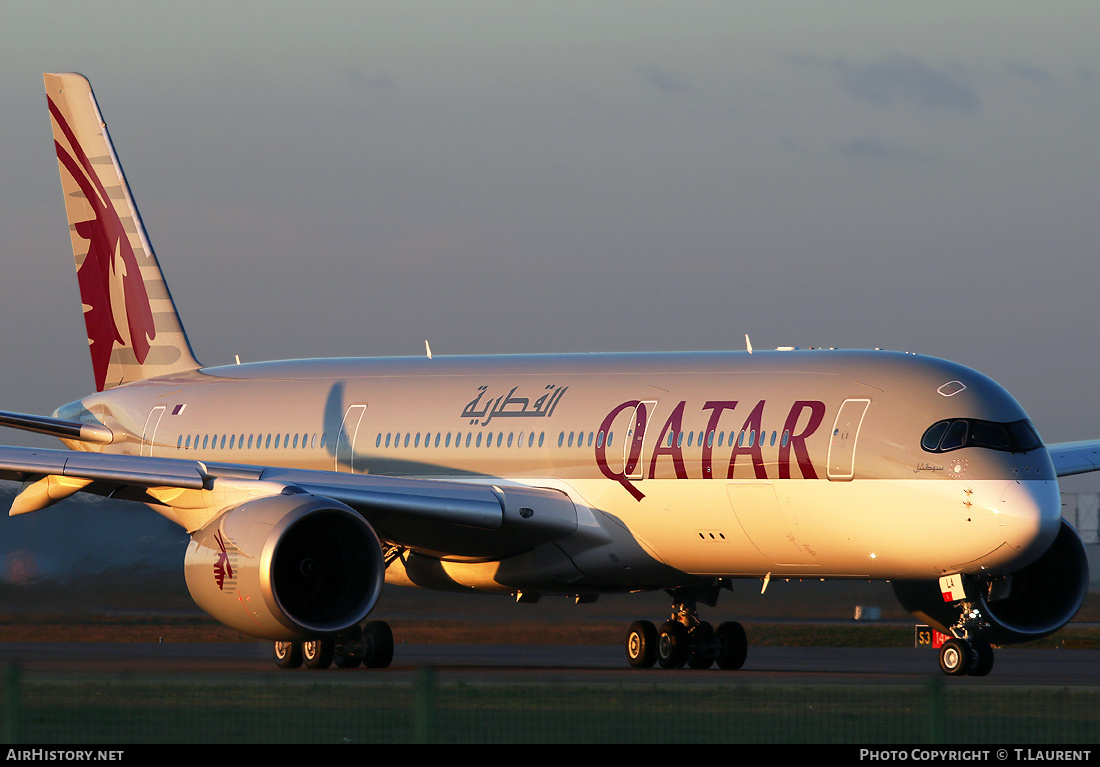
[370, 646]
[685, 640]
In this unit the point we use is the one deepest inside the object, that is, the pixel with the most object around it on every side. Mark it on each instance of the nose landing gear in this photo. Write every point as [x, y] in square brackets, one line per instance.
[960, 656]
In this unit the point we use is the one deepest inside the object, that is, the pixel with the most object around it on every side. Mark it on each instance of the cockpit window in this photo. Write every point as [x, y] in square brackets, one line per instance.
[1015, 437]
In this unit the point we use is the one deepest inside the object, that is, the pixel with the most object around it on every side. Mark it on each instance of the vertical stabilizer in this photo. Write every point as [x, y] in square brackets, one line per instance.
[134, 331]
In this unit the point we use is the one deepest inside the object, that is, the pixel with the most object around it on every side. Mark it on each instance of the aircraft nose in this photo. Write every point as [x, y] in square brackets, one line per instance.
[1031, 513]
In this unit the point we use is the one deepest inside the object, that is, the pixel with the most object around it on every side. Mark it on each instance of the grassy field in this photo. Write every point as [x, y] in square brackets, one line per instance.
[132, 711]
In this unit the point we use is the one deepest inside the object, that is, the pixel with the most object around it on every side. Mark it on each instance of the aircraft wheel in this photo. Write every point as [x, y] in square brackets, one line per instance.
[955, 657]
[673, 645]
[703, 646]
[349, 650]
[983, 659]
[733, 645]
[288, 654]
[377, 645]
[641, 644]
[318, 653]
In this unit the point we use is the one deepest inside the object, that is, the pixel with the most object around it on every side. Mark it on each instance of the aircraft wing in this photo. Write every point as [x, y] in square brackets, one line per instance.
[1075, 457]
[463, 518]
[57, 427]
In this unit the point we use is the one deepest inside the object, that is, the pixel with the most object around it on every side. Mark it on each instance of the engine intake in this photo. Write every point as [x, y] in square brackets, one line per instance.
[286, 567]
[1027, 604]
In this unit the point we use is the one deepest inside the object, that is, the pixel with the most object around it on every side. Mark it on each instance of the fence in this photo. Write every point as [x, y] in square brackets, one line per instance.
[428, 707]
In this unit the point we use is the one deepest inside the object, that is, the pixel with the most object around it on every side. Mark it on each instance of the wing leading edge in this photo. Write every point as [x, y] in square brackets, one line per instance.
[1075, 457]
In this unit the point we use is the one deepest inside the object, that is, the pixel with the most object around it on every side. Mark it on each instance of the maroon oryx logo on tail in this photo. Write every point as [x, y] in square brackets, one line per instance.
[111, 287]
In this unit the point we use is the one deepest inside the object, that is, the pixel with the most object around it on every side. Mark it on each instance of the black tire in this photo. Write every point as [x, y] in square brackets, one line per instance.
[318, 653]
[704, 646]
[377, 645]
[956, 657]
[673, 645]
[641, 644]
[983, 659]
[288, 654]
[733, 645]
[349, 648]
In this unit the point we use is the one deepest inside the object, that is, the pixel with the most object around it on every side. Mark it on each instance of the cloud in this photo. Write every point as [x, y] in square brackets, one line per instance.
[878, 150]
[377, 82]
[663, 80]
[905, 79]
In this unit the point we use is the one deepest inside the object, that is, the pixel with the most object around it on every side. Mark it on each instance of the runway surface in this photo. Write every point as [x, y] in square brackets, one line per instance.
[555, 663]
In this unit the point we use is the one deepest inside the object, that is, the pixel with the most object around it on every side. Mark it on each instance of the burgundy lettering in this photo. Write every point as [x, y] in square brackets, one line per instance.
[798, 441]
[716, 406]
[635, 447]
[674, 424]
[750, 433]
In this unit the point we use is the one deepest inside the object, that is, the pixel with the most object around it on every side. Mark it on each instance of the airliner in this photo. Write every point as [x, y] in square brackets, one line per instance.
[306, 485]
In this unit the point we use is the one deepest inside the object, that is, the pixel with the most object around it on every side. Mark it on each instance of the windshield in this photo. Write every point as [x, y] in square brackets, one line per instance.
[955, 433]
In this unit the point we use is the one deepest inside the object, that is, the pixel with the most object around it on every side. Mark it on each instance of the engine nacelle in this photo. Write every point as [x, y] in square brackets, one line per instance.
[1027, 604]
[286, 567]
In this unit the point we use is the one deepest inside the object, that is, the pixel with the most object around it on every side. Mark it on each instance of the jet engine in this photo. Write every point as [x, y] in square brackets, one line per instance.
[1026, 604]
[286, 567]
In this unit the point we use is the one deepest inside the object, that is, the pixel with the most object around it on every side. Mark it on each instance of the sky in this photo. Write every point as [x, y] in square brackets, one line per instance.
[352, 178]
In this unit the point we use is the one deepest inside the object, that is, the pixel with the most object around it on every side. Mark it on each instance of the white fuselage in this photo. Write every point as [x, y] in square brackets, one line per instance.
[793, 464]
